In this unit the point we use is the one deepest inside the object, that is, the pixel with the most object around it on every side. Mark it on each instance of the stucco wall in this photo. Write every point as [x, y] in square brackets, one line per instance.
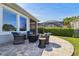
[75, 24]
[6, 38]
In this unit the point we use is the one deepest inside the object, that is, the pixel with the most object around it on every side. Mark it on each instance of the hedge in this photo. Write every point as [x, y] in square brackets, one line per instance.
[68, 32]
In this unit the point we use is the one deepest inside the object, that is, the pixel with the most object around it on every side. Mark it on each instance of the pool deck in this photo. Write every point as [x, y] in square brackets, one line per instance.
[56, 47]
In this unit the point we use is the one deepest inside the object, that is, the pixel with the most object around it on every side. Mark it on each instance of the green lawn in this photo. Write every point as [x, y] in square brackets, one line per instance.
[75, 43]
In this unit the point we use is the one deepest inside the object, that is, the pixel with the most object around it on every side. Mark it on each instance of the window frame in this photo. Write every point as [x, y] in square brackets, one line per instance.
[3, 20]
[18, 14]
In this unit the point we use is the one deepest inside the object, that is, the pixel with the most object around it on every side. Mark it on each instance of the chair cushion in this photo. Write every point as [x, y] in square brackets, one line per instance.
[15, 33]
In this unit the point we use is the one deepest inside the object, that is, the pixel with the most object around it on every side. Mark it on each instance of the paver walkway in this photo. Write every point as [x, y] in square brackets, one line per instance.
[56, 47]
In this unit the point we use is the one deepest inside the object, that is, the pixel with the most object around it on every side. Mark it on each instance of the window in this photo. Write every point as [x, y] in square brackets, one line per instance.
[22, 23]
[9, 20]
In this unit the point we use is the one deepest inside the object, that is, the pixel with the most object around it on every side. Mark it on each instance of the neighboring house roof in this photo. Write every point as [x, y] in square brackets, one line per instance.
[55, 23]
[21, 10]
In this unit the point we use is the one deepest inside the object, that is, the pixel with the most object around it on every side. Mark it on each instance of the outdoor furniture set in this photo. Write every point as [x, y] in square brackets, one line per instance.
[20, 38]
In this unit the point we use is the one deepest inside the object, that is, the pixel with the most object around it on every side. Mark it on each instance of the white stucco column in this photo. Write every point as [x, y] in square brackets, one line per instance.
[1, 18]
[28, 24]
[37, 28]
[18, 22]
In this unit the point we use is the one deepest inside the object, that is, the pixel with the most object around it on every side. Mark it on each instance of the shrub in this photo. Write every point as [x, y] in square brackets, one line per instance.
[57, 31]
[41, 30]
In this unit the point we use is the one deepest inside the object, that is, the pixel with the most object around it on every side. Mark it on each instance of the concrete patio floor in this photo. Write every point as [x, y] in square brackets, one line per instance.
[56, 47]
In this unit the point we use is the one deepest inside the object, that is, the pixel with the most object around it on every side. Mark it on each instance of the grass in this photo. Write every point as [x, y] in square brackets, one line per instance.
[74, 42]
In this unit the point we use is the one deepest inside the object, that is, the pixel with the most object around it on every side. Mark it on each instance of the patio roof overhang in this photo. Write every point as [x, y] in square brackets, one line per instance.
[21, 10]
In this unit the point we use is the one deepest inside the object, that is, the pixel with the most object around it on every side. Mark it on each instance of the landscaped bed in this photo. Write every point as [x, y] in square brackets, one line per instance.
[75, 42]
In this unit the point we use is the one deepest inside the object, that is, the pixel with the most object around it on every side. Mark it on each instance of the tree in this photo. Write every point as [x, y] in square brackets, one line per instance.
[67, 20]
[9, 27]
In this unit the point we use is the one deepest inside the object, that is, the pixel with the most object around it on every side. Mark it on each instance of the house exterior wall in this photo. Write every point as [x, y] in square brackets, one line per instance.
[7, 36]
[75, 24]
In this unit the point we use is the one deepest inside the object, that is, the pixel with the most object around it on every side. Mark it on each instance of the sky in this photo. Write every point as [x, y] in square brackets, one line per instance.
[51, 11]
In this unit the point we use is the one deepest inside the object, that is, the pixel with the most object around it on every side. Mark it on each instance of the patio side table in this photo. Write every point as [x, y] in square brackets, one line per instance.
[42, 43]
